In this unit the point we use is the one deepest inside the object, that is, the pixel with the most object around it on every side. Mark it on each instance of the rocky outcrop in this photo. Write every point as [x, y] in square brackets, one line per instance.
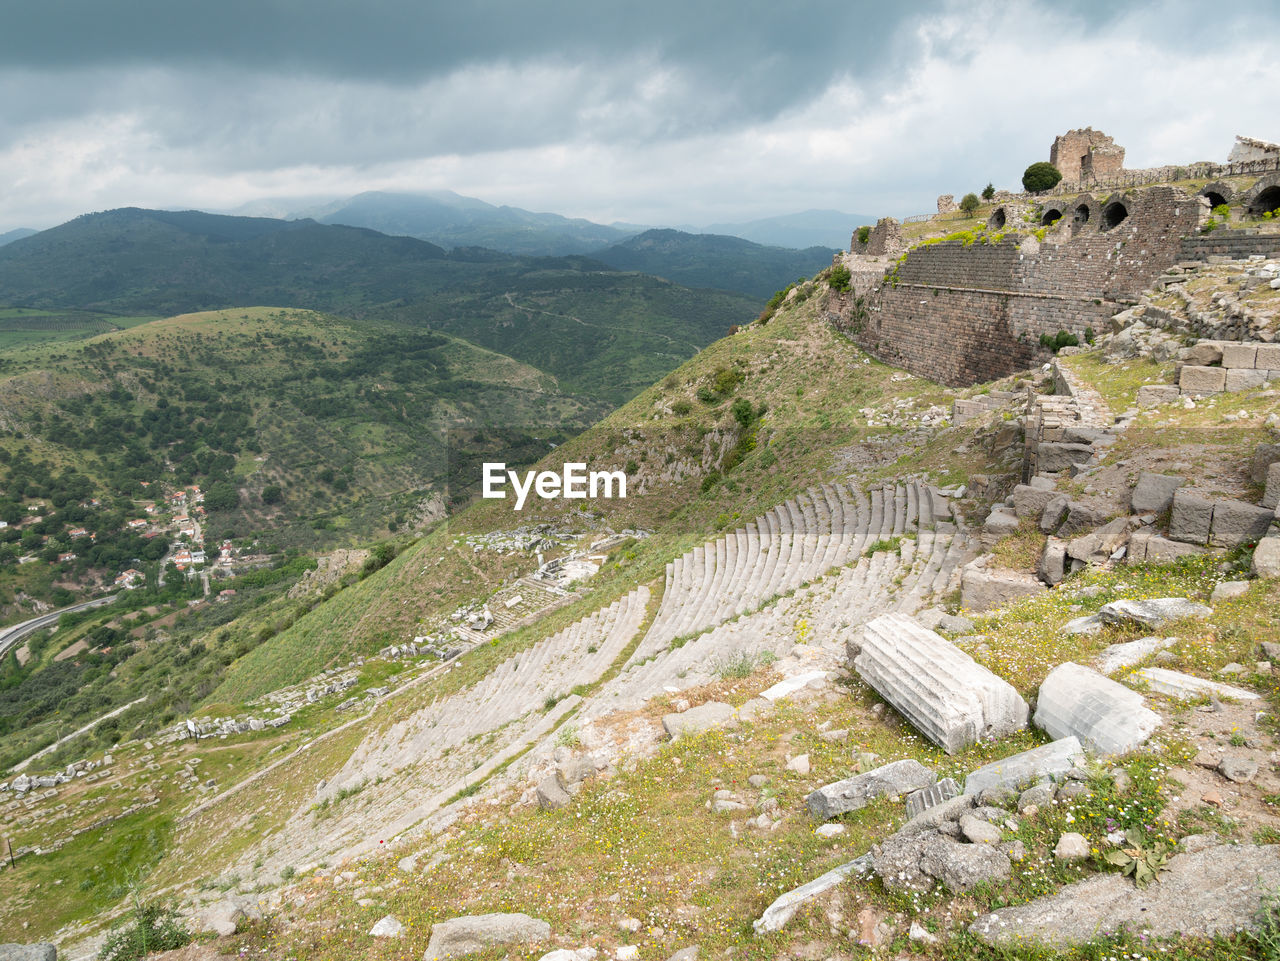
[1214, 891]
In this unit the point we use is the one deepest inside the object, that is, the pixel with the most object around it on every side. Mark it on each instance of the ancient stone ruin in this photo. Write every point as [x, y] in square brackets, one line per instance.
[1084, 156]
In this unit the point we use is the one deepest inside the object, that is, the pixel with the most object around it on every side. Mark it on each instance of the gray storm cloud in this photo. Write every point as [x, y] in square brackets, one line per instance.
[659, 112]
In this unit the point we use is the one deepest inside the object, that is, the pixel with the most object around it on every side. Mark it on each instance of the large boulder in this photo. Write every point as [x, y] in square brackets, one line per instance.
[1216, 891]
[1238, 522]
[468, 934]
[896, 778]
[1191, 519]
[1266, 558]
[1052, 457]
[1029, 501]
[1264, 455]
[1107, 718]
[917, 860]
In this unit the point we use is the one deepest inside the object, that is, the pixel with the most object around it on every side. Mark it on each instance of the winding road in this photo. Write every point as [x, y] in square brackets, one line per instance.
[11, 635]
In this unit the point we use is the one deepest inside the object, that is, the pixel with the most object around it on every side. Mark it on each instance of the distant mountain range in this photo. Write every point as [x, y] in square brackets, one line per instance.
[17, 233]
[452, 220]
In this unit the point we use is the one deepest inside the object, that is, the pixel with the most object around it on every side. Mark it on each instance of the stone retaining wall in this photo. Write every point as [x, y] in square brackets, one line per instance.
[1232, 244]
[961, 314]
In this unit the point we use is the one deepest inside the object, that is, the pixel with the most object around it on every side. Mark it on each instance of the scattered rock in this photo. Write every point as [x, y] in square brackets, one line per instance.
[898, 777]
[1071, 847]
[1152, 612]
[1238, 768]
[978, 831]
[799, 764]
[1227, 590]
[784, 908]
[700, 718]
[829, 830]
[1185, 686]
[551, 796]
[28, 952]
[1119, 656]
[387, 927]
[919, 933]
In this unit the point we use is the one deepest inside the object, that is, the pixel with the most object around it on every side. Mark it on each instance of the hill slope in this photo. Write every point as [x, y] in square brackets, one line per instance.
[709, 260]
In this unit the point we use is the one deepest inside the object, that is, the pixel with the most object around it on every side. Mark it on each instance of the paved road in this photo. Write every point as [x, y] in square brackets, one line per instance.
[11, 635]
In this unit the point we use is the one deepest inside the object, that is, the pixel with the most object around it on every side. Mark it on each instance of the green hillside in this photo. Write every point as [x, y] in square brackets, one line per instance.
[322, 429]
[602, 331]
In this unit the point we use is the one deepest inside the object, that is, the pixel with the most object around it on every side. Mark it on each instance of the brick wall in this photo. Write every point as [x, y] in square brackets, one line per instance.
[963, 314]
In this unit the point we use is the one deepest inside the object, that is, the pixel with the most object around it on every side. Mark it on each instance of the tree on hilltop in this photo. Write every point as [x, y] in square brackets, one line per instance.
[1041, 175]
[988, 191]
[968, 204]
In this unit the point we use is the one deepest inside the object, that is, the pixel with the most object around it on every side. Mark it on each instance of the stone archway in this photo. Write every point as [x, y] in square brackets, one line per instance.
[997, 219]
[1215, 199]
[1051, 216]
[1267, 201]
[1113, 215]
[1080, 216]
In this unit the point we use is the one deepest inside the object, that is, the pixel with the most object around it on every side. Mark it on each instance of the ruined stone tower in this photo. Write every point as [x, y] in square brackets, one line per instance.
[1084, 156]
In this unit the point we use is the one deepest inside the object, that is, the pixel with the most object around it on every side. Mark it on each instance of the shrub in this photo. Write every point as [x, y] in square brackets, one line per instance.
[968, 204]
[1041, 175]
[1222, 211]
[1056, 342]
[681, 407]
[988, 192]
[864, 233]
[839, 277]
[150, 926]
[708, 396]
[742, 411]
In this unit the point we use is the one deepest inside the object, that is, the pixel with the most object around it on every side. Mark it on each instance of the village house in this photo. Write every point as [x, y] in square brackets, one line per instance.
[136, 525]
[129, 579]
[68, 556]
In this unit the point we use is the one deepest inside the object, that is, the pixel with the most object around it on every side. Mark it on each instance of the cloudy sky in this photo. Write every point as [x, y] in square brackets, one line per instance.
[660, 111]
